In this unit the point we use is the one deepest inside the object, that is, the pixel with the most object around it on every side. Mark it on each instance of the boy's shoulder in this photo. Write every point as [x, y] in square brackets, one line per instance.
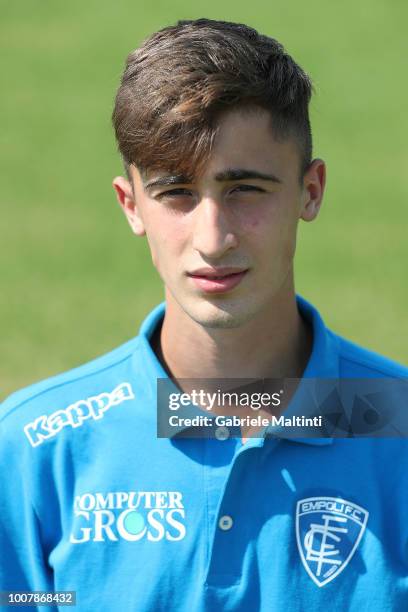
[357, 361]
[96, 382]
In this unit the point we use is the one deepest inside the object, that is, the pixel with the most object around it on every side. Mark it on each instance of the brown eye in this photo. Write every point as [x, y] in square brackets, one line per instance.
[174, 193]
[247, 188]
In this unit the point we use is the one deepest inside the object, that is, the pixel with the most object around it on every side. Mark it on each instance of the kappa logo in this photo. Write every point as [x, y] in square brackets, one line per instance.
[328, 531]
[45, 427]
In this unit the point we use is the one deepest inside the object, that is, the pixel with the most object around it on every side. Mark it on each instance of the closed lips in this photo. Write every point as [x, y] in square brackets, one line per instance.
[216, 275]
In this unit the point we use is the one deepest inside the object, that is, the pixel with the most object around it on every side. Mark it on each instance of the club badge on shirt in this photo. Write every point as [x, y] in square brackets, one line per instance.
[328, 532]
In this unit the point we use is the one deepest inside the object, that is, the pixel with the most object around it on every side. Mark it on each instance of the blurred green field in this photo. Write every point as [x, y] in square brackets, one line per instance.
[76, 283]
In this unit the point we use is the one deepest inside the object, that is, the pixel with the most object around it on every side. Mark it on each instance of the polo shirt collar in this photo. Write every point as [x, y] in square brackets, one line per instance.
[323, 362]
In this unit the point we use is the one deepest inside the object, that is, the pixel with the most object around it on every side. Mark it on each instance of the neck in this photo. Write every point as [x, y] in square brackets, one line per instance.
[275, 344]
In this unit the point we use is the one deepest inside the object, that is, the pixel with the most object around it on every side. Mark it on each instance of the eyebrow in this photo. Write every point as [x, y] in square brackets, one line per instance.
[231, 174]
[239, 174]
[163, 181]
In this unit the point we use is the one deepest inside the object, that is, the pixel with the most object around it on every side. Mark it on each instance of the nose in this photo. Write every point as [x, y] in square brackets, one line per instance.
[213, 232]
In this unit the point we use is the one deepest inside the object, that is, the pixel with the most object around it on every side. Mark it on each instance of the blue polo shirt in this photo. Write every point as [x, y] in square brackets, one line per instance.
[92, 501]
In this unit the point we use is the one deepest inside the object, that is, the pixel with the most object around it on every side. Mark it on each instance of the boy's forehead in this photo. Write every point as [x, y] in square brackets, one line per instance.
[221, 172]
[243, 141]
[166, 178]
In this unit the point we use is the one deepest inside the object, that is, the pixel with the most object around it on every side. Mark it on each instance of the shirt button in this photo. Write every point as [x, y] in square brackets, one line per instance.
[225, 523]
[222, 433]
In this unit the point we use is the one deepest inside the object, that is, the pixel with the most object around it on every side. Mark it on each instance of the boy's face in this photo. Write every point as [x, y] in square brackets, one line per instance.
[236, 221]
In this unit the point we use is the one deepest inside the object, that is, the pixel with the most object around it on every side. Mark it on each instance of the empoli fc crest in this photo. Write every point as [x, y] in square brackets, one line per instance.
[328, 531]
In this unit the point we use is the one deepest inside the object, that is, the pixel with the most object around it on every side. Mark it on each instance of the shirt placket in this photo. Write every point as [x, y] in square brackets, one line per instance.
[230, 529]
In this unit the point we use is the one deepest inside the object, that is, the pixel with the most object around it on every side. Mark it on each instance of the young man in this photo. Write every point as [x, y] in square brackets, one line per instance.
[212, 122]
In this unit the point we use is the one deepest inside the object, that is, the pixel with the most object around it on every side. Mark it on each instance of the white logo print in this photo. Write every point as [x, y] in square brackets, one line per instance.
[128, 515]
[91, 408]
[328, 531]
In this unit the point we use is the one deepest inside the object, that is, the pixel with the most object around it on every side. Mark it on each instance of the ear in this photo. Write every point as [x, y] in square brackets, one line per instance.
[314, 183]
[127, 202]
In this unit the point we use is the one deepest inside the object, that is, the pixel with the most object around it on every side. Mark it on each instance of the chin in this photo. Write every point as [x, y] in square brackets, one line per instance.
[226, 314]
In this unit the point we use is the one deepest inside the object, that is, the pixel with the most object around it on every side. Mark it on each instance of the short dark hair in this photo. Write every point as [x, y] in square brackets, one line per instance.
[179, 82]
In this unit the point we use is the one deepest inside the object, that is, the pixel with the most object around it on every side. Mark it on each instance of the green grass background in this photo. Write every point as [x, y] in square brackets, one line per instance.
[76, 283]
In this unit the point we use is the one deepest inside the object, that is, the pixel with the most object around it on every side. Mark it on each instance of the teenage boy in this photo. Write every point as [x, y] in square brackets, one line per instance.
[212, 123]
